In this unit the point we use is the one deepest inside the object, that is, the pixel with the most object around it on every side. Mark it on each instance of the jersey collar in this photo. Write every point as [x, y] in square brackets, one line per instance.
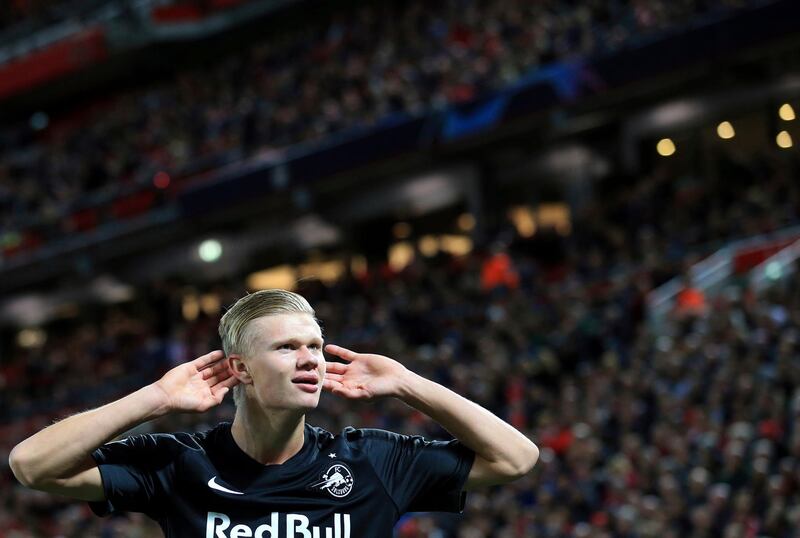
[242, 464]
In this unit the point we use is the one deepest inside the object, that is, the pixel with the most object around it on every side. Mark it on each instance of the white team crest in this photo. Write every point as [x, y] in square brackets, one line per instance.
[337, 480]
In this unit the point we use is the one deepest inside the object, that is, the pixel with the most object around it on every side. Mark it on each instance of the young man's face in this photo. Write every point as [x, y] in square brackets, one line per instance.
[286, 365]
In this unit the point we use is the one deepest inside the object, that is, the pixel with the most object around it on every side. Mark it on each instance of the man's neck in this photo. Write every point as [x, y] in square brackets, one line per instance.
[268, 437]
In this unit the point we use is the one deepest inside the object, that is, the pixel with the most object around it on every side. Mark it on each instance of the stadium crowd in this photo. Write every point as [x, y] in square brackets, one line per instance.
[691, 429]
[346, 72]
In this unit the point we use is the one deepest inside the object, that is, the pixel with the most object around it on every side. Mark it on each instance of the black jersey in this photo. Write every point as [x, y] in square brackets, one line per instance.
[352, 485]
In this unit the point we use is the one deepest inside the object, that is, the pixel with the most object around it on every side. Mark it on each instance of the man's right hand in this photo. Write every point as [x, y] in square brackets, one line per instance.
[58, 458]
[198, 385]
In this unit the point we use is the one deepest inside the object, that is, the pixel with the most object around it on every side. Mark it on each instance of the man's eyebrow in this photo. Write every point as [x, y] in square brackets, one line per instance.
[295, 340]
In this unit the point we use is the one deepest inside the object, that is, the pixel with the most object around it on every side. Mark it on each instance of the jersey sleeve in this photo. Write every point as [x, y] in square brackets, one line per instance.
[420, 475]
[136, 474]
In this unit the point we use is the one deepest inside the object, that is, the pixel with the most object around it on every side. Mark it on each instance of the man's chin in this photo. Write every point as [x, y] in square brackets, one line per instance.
[309, 404]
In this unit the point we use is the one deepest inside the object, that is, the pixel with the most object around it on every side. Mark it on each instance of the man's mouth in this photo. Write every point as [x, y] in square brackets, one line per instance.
[307, 383]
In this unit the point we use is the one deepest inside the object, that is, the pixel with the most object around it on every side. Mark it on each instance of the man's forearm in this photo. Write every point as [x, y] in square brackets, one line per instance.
[488, 436]
[65, 447]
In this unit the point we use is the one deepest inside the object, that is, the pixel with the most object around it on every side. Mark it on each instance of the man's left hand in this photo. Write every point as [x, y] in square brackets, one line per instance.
[363, 376]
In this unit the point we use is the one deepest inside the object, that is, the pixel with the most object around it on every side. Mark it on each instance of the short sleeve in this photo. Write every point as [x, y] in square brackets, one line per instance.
[136, 472]
[419, 474]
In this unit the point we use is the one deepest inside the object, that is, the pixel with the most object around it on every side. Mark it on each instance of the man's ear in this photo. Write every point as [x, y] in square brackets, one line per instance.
[239, 369]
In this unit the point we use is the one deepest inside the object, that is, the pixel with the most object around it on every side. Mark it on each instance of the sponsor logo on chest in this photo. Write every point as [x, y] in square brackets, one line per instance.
[218, 525]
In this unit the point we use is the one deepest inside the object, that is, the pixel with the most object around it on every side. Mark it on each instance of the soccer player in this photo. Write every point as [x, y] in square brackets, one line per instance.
[268, 474]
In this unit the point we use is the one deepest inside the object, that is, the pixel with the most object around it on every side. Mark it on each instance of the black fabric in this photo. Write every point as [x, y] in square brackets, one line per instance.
[357, 483]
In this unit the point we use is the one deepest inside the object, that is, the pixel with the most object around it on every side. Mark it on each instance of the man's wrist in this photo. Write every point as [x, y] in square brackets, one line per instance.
[154, 401]
[407, 387]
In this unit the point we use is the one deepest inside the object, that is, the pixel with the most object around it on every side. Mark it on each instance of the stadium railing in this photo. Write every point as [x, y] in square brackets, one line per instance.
[755, 256]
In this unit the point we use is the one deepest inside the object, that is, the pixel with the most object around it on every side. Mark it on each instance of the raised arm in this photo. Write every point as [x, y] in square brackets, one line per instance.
[58, 458]
[502, 453]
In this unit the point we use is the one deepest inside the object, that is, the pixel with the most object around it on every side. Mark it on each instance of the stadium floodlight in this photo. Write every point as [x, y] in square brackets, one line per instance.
[774, 270]
[31, 338]
[466, 222]
[786, 112]
[784, 140]
[725, 130]
[428, 245]
[282, 276]
[400, 255]
[210, 250]
[524, 220]
[665, 147]
[401, 230]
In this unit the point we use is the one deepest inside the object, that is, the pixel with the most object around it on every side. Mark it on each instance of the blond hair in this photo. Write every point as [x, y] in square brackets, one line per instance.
[233, 327]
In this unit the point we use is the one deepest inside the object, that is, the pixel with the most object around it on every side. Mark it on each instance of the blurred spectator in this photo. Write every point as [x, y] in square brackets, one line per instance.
[690, 301]
[498, 271]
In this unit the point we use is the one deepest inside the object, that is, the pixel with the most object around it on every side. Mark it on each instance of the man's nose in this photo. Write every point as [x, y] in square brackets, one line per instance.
[307, 358]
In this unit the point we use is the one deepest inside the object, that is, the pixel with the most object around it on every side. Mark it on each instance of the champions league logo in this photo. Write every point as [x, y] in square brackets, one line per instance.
[337, 480]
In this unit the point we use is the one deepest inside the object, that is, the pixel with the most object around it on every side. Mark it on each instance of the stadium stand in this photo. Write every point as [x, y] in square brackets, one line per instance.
[643, 434]
[331, 76]
[688, 425]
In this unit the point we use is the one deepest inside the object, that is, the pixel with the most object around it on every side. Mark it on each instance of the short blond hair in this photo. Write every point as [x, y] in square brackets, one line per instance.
[233, 327]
